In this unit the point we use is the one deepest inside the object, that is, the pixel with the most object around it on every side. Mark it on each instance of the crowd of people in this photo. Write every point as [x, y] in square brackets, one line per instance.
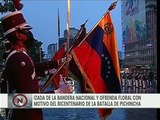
[139, 79]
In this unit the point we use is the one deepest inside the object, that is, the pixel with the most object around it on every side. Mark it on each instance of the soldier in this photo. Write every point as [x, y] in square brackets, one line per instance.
[136, 79]
[123, 76]
[20, 70]
[133, 79]
[142, 78]
[155, 79]
[130, 79]
[146, 77]
[139, 79]
[150, 77]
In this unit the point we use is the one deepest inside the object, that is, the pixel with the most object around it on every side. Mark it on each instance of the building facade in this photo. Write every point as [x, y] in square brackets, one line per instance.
[73, 33]
[139, 31]
[52, 49]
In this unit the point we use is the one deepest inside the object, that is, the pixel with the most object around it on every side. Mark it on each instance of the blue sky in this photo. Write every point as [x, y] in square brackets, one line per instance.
[42, 16]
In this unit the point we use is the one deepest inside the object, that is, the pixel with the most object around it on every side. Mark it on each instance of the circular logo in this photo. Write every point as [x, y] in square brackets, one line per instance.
[20, 100]
[108, 27]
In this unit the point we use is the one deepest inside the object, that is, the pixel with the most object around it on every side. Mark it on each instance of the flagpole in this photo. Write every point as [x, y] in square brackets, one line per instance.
[111, 7]
[67, 54]
[48, 82]
[58, 23]
[80, 31]
[68, 37]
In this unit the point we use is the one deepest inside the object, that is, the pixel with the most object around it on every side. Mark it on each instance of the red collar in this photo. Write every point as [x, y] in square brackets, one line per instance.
[17, 47]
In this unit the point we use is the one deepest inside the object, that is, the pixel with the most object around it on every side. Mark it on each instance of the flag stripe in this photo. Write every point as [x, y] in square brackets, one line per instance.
[110, 41]
[92, 75]
[108, 71]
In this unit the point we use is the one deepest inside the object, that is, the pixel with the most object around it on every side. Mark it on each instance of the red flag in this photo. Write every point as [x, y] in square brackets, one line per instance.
[97, 59]
[74, 71]
[58, 56]
[61, 53]
[80, 36]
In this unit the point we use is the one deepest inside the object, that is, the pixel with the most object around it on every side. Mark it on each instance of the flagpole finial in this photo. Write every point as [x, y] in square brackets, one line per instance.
[113, 5]
[84, 23]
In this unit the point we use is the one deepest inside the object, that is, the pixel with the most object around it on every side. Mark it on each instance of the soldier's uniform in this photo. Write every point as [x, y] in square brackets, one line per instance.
[21, 76]
[21, 71]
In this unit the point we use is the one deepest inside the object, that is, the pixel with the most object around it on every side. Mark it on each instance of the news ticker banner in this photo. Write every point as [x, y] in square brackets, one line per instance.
[79, 101]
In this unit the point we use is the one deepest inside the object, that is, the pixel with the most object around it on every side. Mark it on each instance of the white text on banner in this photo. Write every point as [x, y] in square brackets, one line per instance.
[96, 100]
[29, 101]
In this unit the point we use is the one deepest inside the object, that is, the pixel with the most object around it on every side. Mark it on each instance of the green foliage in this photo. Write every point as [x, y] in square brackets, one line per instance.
[6, 6]
[2, 49]
[36, 52]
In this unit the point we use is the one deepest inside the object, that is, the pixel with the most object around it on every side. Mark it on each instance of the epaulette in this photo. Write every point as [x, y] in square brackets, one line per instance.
[13, 52]
[24, 52]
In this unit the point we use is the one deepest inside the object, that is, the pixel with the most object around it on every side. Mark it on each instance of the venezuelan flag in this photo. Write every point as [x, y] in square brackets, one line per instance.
[97, 59]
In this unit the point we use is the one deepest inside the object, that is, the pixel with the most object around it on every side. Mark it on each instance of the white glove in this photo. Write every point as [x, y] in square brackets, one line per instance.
[62, 60]
[64, 86]
[52, 71]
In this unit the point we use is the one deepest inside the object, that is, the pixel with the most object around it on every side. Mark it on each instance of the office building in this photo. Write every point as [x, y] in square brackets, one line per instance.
[73, 33]
[52, 49]
[139, 31]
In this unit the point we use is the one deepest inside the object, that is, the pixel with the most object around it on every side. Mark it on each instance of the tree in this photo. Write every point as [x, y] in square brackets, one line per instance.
[36, 52]
[1, 45]
[6, 6]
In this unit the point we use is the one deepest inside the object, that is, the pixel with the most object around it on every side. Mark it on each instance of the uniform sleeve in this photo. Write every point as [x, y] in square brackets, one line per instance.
[42, 67]
[20, 70]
